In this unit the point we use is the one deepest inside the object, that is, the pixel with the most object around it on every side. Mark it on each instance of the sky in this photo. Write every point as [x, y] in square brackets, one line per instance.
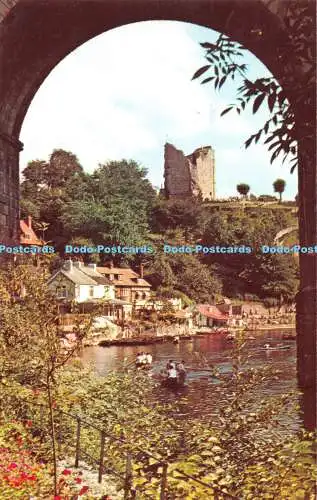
[127, 92]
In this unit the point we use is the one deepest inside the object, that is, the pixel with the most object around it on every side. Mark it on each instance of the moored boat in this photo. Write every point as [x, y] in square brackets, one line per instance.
[278, 347]
[172, 383]
[143, 366]
[289, 336]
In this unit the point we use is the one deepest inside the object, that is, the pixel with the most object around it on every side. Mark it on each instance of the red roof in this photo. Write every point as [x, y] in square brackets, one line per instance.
[28, 236]
[124, 277]
[211, 312]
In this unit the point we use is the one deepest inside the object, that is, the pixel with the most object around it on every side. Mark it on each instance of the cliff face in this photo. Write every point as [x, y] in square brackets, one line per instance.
[189, 176]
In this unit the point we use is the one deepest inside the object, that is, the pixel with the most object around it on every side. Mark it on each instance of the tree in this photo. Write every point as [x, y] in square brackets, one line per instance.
[186, 274]
[123, 180]
[45, 190]
[110, 206]
[279, 187]
[187, 215]
[28, 207]
[31, 350]
[243, 189]
[61, 167]
[113, 223]
[34, 172]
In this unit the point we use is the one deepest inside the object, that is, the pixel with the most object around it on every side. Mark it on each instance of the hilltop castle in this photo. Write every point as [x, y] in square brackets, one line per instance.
[189, 176]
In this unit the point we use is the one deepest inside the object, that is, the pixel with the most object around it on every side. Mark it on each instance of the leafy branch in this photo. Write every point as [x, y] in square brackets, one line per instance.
[279, 132]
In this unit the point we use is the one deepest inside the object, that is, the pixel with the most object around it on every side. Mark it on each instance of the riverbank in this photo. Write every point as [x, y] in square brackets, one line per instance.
[151, 339]
[271, 327]
[143, 340]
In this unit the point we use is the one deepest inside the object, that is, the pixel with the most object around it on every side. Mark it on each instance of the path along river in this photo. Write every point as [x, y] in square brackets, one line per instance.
[202, 394]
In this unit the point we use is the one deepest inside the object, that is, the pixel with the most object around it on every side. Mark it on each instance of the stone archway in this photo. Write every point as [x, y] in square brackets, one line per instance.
[36, 35]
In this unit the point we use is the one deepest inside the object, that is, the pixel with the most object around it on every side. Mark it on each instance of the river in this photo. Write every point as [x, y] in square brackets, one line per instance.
[202, 394]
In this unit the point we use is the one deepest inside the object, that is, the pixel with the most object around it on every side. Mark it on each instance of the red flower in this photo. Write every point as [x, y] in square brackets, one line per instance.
[78, 480]
[57, 497]
[28, 423]
[66, 472]
[12, 466]
[83, 490]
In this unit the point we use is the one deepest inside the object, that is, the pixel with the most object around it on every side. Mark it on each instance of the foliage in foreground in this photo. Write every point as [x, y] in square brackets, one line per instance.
[25, 471]
[290, 103]
[239, 452]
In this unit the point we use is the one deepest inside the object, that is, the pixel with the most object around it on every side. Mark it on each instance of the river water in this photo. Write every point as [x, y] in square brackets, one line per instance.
[202, 394]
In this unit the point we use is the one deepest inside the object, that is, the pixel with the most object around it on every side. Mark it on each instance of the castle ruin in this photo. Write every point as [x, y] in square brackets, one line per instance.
[189, 176]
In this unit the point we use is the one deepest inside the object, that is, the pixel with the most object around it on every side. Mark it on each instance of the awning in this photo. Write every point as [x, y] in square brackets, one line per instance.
[211, 312]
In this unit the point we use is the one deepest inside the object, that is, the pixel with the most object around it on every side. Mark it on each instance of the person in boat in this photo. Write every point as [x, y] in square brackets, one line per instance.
[181, 372]
[139, 359]
[149, 358]
[172, 375]
[170, 364]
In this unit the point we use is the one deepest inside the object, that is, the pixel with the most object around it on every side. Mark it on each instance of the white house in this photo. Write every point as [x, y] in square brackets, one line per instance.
[75, 281]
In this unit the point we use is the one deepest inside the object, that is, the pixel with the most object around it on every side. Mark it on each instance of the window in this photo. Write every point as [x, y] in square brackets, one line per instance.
[91, 291]
[61, 292]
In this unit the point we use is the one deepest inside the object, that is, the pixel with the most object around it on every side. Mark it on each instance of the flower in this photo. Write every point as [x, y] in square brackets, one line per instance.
[57, 497]
[83, 490]
[78, 480]
[32, 477]
[12, 466]
[66, 472]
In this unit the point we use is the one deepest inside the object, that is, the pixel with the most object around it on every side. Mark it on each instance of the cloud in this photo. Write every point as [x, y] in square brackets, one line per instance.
[125, 93]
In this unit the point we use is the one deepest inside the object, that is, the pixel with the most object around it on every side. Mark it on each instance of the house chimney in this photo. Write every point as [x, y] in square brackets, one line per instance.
[29, 221]
[111, 264]
[141, 271]
[68, 265]
[93, 266]
[77, 264]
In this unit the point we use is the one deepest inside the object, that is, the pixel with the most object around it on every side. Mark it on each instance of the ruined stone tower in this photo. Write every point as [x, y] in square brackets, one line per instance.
[189, 176]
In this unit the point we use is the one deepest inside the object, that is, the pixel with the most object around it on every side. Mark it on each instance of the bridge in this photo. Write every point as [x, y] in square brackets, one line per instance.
[35, 35]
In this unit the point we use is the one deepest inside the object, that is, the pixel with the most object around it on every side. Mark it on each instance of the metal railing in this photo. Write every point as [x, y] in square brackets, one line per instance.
[125, 476]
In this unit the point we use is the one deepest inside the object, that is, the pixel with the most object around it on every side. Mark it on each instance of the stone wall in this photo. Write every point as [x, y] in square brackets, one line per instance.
[189, 176]
[5, 7]
[9, 189]
[176, 173]
[202, 167]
